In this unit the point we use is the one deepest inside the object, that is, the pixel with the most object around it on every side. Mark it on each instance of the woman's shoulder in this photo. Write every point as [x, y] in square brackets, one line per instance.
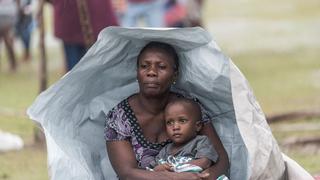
[120, 110]
[120, 105]
[123, 110]
[117, 124]
[124, 104]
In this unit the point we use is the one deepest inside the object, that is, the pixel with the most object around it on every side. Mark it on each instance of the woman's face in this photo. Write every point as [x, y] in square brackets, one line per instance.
[155, 72]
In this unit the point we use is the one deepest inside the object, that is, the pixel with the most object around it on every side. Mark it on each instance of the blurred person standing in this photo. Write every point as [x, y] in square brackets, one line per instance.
[8, 17]
[25, 25]
[120, 7]
[194, 13]
[184, 13]
[77, 23]
[175, 13]
[151, 11]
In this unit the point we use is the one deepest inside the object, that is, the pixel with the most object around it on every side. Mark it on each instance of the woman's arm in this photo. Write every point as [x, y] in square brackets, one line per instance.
[204, 163]
[124, 163]
[222, 165]
[163, 167]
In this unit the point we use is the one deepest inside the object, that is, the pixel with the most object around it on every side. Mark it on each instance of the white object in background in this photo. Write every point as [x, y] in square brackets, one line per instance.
[10, 142]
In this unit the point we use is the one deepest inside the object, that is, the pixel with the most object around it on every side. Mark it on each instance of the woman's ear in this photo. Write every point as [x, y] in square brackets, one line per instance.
[175, 77]
[176, 74]
[198, 126]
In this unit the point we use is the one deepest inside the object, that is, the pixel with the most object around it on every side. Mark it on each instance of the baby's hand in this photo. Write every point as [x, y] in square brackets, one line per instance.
[163, 167]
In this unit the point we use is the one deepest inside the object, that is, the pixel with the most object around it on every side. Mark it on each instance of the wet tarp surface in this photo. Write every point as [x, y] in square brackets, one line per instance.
[72, 111]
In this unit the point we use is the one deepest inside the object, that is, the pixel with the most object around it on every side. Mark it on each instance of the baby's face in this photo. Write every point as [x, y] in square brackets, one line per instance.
[181, 123]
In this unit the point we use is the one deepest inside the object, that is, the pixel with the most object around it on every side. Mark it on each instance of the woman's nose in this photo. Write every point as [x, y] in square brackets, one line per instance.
[152, 71]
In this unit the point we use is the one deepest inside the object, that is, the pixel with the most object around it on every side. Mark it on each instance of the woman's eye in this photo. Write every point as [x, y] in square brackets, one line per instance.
[162, 66]
[143, 66]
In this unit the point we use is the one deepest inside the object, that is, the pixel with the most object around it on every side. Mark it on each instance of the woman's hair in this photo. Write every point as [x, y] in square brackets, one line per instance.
[163, 46]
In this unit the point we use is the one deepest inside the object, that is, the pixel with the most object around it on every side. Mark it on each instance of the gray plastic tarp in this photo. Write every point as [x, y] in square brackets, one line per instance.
[72, 111]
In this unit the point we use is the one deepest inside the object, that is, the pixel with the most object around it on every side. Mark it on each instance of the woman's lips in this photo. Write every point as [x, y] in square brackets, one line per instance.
[151, 84]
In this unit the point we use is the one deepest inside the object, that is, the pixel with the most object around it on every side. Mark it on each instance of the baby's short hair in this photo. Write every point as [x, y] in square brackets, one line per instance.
[189, 104]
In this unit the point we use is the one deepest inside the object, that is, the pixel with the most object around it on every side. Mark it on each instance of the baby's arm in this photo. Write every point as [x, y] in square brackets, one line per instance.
[204, 163]
[205, 155]
[163, 167]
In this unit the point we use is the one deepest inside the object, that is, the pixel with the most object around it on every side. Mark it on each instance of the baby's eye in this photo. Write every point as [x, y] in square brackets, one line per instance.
[182, 121]
[169, 123]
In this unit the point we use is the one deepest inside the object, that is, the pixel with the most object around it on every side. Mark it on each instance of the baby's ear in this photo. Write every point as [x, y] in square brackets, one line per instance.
[198, 126]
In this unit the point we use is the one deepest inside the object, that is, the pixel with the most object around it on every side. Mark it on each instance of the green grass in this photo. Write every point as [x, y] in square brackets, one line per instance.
[308, 161]
[299, 128]
[21, 126]
[17, 91]
[286, 78]
[263, 9]
[14, 86]
[29, 163]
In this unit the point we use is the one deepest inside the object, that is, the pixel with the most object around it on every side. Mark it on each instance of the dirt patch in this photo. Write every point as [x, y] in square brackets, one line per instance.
[308, 145]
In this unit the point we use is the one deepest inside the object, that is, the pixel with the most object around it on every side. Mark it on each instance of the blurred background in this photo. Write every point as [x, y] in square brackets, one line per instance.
[275, 44]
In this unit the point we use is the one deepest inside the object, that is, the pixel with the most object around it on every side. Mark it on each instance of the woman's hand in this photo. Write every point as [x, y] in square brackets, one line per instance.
[163, 167]
[189, 176]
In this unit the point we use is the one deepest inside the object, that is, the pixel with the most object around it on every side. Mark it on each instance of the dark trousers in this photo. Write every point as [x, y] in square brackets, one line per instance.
[73, 54]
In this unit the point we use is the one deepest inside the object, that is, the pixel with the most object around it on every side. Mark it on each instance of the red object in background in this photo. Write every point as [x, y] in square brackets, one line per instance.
[67, 21]
[175, 14]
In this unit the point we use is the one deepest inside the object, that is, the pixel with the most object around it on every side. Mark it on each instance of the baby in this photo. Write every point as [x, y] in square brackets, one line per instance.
[188, 151]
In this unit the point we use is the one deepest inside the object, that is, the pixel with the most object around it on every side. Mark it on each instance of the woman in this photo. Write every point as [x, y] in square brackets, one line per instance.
[135, 131]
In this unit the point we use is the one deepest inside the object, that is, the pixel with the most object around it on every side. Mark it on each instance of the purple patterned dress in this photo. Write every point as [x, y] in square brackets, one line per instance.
[122, 124]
